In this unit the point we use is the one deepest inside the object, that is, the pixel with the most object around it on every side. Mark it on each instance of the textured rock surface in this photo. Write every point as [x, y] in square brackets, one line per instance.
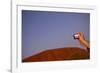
[58, 54]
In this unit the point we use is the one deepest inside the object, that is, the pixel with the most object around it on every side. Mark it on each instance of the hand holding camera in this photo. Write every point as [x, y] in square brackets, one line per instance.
[80, 37]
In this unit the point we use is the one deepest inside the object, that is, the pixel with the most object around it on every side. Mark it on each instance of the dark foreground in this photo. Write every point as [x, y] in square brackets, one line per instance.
[58, 54]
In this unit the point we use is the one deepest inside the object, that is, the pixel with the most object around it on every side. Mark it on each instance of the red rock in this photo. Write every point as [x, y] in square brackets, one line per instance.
[58, 54]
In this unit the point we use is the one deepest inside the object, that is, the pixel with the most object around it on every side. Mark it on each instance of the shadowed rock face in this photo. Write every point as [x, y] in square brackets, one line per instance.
[58, 54]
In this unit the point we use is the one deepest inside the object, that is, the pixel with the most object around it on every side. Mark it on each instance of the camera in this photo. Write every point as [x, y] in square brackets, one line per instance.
[76, 36]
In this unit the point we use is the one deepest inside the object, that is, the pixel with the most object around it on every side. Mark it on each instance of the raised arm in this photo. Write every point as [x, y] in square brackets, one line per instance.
[83, 41]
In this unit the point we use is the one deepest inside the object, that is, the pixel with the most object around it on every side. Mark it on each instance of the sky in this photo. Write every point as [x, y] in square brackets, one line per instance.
[43, 30]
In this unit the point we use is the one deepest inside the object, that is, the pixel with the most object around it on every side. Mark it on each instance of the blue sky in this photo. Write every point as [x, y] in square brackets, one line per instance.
[42, 30]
